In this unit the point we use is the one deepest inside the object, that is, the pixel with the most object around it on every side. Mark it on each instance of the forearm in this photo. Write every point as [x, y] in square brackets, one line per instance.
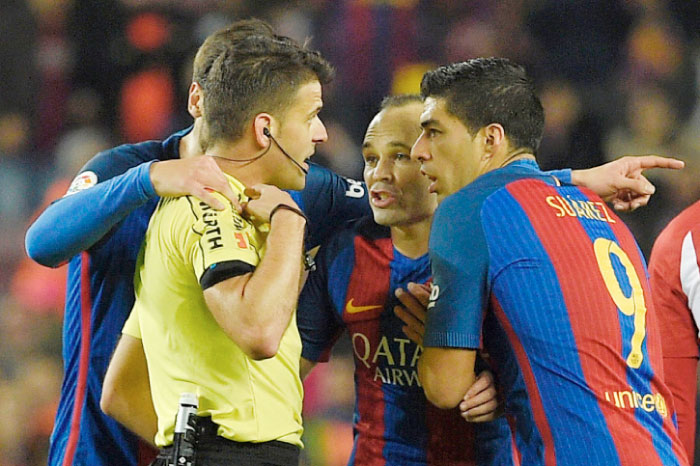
[138, 415]
[256, 312]
[76, 222]
[273, 289]
[126, 390]
[446, 375]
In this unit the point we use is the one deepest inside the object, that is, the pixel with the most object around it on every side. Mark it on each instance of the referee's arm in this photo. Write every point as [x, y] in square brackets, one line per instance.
[255, 309]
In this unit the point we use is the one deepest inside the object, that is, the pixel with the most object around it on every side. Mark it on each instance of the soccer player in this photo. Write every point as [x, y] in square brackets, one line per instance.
[358, 270]
[105, 214]
[544, 274]
[674, 276]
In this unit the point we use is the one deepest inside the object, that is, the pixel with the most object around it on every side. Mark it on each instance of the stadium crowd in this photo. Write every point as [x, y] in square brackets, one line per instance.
[615, 77]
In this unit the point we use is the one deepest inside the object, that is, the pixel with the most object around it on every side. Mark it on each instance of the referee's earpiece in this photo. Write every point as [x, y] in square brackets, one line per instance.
[267, 133]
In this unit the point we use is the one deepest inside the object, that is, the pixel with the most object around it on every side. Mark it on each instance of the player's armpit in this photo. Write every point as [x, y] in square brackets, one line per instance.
[621, 182]
[305, 366]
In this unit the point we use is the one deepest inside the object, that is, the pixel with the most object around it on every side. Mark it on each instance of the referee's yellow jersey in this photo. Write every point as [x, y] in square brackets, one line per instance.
[186, 350]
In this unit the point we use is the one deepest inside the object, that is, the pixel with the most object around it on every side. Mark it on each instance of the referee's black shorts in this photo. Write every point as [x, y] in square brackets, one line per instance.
[213, 450]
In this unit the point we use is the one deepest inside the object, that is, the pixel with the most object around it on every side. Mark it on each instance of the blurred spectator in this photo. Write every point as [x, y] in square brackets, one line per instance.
[367, 42]
[41, 289]
[328, 419]
[21, 182]
[572, 135]
[30, 379]
[54, 57]
[580, 40]
[651, 126]
[656, 55]
[340, 152]
[147, 105]
[18, 32]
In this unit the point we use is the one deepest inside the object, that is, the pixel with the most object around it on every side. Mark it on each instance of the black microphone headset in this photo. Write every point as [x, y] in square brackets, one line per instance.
[267, 133]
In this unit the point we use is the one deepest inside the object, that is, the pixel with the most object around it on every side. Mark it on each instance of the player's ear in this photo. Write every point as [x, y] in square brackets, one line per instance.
[195, 100]
[494, 137]
[261, 122]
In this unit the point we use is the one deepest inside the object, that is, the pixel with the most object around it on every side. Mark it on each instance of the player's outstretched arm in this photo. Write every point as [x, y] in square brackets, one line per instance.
[78, 221]
[622, 182]
[255, 309]
[126, 392]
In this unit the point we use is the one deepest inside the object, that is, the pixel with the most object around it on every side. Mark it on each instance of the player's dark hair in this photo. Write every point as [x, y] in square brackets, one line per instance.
[399, 100]
[482, 91]
[254, 74]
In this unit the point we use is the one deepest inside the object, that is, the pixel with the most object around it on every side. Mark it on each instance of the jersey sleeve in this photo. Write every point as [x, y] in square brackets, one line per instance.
[96, 201]
[226, 246]
[459, 261]
[674, 276]
[563, 175]
[132, 326]
[330, 200]
[690, 272]
[319, 326]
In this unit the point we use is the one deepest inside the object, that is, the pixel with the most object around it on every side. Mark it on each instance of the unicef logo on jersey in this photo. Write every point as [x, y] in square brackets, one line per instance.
[434, 295]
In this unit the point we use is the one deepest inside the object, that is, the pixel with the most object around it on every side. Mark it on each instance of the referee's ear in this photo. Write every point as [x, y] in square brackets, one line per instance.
[261, 123]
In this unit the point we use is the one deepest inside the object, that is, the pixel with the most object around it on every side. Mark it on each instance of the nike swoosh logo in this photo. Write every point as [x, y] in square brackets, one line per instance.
[350, 309]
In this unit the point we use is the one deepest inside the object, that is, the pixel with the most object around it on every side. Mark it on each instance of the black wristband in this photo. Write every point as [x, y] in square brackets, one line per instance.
[309, 263]
[291, 209]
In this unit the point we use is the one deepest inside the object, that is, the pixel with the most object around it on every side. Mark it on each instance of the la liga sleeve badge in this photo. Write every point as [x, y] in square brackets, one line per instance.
[81, 182]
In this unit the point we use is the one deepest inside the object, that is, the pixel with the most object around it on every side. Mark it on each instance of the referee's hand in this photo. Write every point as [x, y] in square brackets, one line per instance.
[263, 198]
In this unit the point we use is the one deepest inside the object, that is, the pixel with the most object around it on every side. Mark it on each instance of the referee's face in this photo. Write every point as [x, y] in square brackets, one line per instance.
[398, 193]
[450, 156]
[298, 132]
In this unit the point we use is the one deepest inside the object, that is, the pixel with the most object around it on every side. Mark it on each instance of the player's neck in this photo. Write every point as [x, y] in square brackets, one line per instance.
[189, 144]
[411, 240]
[513, 156]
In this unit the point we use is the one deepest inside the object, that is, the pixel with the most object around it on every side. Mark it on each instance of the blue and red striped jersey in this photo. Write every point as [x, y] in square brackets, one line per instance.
[556, 286]
[358, 271]
[109, 222]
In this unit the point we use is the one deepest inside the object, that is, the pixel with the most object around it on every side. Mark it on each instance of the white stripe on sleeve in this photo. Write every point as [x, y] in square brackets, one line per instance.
[690, 276]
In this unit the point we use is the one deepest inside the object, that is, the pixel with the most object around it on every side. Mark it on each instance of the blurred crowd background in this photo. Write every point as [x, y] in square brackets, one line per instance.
[616, 77]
